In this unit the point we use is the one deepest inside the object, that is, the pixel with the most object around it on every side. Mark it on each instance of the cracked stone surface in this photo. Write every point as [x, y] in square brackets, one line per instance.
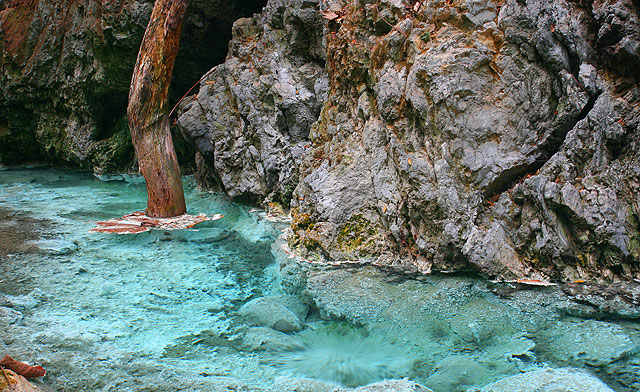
[250, 121]
[493, 136]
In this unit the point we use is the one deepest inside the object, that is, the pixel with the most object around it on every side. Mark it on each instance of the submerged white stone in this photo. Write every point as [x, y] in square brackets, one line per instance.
[549, 380]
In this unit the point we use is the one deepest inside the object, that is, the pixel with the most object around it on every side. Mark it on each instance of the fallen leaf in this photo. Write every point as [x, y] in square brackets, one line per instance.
[534, 282]
[409, 161]
[22, 368]
[384, 209]
[329, 15]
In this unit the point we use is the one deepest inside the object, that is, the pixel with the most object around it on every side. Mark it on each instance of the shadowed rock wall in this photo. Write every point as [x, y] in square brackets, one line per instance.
[66, 69]
[251, 118]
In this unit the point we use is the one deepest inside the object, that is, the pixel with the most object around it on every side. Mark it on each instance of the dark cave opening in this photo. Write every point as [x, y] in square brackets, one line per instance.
[205, 39]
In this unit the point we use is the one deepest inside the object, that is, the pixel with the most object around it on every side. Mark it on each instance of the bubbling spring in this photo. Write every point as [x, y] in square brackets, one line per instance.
[221, 307]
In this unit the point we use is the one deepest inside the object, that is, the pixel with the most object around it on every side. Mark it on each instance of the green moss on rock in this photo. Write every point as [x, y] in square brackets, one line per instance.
[358, 235]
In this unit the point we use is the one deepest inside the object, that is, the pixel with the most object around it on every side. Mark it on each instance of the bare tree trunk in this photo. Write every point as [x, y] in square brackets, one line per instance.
[147, 110]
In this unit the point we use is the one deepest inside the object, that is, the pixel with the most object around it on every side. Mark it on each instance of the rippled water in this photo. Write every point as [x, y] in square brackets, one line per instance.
[161, 311]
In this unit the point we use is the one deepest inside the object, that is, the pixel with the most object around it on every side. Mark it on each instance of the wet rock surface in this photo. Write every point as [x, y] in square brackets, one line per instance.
[251, 119]
[549, 380]
[270, 312]
[467, 333]
[619, 300]
[267, 339]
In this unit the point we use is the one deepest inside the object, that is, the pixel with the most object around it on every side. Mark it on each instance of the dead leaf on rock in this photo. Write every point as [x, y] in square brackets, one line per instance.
[330, 15]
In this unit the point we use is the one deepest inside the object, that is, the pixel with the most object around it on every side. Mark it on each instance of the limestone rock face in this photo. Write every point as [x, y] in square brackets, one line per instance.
[494, 136]
[66, 68]
[250, 120]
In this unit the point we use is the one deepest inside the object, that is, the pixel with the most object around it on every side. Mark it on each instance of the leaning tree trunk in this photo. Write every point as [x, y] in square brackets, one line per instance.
[147, 110]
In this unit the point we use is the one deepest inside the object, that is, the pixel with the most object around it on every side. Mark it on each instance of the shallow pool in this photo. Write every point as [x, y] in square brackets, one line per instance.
[221, 308]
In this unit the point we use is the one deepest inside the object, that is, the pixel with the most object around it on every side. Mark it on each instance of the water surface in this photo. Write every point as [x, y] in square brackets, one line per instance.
[158, 311]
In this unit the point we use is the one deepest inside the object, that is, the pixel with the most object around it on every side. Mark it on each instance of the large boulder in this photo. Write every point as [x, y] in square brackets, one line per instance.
[270, 312]
[470, 135]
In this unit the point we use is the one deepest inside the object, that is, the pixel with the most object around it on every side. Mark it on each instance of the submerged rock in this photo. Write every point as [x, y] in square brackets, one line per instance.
[618, 300]
[24, 302]
[549, 380]
[270, 312]
[389, 386]
[589, 342]
[57, 246]
[480, 321]
[457, 372]
[267, 339]
[9, 316]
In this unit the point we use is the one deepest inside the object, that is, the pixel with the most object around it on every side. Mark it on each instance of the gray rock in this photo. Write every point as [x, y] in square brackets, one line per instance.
[266, 339]
[403, 385]
[589, 342]
[251, 119]
[549, 380]
[620, 300]
[455, 373]
[24, 302]
[9, 316]
[294, 303]
[492, 139]
[58, 246]
[270, 312]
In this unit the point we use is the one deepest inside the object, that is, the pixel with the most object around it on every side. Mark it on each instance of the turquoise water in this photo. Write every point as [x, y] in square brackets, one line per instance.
[163, 310]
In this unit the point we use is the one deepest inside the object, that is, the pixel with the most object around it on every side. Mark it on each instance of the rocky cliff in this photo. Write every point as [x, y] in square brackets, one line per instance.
[252, 117]
[496, 136]
[66, 68]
